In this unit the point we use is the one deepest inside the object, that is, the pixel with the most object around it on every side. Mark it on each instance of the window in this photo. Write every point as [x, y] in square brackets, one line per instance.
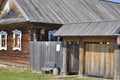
[116, 1]
[3, 40]
[17, 35]
[51, 37]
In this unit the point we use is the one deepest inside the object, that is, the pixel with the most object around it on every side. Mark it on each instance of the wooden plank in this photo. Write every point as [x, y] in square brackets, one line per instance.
[117, 63]
[99, 60]
[87, 58]
[102, 60]
[112, 60]
[81, 59]
[43, 52]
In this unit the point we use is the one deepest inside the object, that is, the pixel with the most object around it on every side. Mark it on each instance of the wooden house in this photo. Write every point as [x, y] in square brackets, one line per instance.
[87, 29]
[19, 26]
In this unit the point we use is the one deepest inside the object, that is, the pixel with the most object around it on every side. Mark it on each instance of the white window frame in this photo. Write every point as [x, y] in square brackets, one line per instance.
[3, 33]
[17, 32]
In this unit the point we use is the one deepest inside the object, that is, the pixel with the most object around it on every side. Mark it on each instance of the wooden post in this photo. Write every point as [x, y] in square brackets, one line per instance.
[33, 34]
[81, 59]
[64, 68]
[117, 63]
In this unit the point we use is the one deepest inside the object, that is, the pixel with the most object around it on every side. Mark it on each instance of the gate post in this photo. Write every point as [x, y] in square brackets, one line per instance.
[64, 67]
[81, 59]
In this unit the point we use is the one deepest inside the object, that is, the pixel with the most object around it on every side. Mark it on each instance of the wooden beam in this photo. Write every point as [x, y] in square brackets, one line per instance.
[1, 2]
[117, 63]
[64, 69]
[81, 59]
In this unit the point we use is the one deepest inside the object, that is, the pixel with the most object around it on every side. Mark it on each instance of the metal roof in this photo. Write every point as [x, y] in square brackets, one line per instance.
[89, 29]
[12, 20]
[68, 11]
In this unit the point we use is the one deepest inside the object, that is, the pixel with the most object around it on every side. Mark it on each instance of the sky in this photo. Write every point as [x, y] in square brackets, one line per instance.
[117, 1]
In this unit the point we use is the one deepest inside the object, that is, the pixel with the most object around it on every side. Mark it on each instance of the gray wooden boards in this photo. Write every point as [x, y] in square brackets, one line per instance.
[89, 29]
[45, 52]
[12, 20]
[68, 11]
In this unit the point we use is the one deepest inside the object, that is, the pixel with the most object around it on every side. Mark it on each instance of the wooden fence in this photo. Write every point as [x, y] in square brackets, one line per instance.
[45, 52]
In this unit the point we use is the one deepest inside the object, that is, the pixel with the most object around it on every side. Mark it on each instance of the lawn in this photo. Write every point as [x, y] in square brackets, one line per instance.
[14, 74]
[21, 74]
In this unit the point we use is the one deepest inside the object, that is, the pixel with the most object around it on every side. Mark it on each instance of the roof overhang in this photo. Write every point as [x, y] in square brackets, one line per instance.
[89, 29]
[12, 20]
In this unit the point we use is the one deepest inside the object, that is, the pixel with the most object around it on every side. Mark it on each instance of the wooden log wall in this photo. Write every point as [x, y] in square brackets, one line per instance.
[10, 57]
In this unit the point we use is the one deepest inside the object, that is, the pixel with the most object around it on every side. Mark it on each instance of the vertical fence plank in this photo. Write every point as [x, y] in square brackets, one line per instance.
[41, 52]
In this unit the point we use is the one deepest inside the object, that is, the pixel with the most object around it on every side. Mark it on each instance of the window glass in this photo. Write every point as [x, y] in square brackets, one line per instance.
[17, 35]
[3, 40]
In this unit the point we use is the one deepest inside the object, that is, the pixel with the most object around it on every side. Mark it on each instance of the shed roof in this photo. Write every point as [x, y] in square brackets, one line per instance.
[89, 29]
[68, 11]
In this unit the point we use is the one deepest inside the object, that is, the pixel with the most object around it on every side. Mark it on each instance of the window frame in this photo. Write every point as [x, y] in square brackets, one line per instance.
[3, 33]
[17, 32]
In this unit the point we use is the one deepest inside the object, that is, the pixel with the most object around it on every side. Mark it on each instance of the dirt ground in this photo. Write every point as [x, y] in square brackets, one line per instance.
[71, 78]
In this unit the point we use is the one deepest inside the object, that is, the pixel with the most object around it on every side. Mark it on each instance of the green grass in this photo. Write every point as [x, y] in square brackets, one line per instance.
[22, 74]
[11, 74]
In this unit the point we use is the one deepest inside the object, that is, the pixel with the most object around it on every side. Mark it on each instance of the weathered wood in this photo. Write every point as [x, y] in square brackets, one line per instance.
[45, 52]
[19, 57]
[81, 59]
[73, 58]
[117, 63]
[99, 60]
[7, 7]
[91, 39]
[64, 67]
[68, 11]
[98, 39]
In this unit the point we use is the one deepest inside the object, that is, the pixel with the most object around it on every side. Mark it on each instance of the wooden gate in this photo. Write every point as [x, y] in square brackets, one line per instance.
[99, 60]
[73, 58]
[45, 52]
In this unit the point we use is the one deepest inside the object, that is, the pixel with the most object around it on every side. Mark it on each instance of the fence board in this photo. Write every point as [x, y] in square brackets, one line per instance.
[42, 52]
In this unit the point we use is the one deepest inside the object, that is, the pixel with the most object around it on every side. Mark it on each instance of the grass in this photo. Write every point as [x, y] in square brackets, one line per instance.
[11, 74]
[22, 74]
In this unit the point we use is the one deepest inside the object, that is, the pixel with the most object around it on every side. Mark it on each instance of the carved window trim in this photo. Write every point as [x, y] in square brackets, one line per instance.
[3, 40]
[17, 40]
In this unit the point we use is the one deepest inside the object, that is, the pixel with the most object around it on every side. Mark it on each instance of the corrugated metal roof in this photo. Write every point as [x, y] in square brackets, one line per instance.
[12, 20]
[89, 29]
[68, 11]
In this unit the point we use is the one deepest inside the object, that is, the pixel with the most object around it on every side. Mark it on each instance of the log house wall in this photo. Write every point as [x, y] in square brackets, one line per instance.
[20, 57]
